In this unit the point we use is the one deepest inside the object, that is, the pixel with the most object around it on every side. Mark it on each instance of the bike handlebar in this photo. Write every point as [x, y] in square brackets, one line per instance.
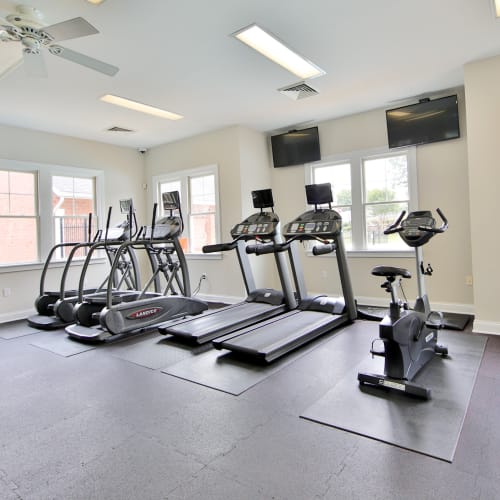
[394, 228]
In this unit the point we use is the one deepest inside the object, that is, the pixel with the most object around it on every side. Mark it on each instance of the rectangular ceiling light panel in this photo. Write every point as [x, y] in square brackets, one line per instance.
[496, 7]
[272, 48]
[142, 108]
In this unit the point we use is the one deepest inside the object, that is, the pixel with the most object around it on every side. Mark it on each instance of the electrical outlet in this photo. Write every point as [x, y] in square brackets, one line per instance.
[6, 292]
[468, 280]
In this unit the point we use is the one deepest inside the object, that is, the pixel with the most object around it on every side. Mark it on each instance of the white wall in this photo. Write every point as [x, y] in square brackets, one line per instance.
[482, 80]
[443, 183]
[123, 179]
[220, 148]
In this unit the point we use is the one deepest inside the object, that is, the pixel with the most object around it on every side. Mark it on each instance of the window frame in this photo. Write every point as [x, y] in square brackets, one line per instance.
[183, 176]
[356, 160]
[45, 226]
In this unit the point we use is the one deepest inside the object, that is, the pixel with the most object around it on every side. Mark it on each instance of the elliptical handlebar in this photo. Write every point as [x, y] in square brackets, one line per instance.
[220, 247]
[440, 229]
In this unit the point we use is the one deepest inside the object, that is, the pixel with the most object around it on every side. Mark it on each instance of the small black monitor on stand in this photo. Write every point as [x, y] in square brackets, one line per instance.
[171, 200]
[126, 205]
[263, 198]
[319, 194]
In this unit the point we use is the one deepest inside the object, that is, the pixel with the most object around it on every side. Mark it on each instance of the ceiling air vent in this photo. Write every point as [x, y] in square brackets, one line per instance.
[119, 129]
[298, 91]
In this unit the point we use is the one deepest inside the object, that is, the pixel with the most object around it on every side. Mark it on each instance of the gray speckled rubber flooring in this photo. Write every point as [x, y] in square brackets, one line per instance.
[99, 425]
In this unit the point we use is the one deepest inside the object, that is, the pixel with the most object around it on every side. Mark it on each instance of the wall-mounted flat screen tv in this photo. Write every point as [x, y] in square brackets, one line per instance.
[295, 147]
[424, 122]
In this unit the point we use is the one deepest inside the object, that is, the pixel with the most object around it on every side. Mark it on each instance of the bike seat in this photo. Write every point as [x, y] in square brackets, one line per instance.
[391, 272]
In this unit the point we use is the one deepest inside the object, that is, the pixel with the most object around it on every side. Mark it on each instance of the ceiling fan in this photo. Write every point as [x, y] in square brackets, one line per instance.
[25, 25]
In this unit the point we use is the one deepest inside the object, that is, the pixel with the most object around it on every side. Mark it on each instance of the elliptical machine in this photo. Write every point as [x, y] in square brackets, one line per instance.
[409, 336]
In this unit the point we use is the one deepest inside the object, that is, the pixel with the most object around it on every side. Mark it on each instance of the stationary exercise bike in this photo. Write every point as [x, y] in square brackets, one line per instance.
[409, 336]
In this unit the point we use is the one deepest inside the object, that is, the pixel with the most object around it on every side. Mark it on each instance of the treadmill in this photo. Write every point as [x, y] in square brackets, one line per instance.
[261, 303]
[315, 315]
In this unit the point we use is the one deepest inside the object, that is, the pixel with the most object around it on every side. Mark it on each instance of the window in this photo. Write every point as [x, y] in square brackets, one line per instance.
[73, 198]
[198, 190]
[43, 205]
[18, 217]
[370, 189]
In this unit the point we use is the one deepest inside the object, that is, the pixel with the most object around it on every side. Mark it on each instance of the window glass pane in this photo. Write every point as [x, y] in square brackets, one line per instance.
[339, 176]
[72, 195]
[4, 181]
[4, 204]
[70, 230]
[202, 190]
[345, 213]
[202, 232]
[168, 187]
[19, 240]
[72, 201]
[379, 217]
[385, 179]
[17, 193]
[22, 183]
[22, 204]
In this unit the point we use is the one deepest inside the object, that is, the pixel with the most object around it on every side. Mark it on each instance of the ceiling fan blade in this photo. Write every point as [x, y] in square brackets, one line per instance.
[73, 28]
[84, 60]
[34, 65]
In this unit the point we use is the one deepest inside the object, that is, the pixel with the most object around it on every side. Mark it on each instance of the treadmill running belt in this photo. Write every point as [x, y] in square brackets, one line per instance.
[205, 328]
[286, 333]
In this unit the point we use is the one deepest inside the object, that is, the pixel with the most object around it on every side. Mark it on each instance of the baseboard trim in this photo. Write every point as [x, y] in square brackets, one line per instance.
[226, 299]
[436, 306]
[489, 327]
[16, 315]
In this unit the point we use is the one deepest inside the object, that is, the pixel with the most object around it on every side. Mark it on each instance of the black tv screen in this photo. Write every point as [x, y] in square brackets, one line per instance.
[424, 122]
[295, 147]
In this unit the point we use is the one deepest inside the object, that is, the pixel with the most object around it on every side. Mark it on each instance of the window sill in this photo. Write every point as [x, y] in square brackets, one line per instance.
[370, 254]
[38, 266]
[204, 256]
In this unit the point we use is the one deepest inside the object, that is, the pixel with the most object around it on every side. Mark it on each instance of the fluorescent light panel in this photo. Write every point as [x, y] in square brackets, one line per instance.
[142, 108]
[496, 5]
[272, 48]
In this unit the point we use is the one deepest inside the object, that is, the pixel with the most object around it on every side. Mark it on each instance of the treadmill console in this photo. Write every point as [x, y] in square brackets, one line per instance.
[324, 223]
[261, 224]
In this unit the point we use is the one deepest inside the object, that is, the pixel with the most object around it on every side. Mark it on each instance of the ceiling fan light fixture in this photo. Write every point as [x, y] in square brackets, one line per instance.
[274, 49]
[137, 106]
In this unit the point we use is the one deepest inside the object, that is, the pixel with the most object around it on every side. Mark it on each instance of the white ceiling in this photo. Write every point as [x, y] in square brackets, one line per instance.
[178, 55]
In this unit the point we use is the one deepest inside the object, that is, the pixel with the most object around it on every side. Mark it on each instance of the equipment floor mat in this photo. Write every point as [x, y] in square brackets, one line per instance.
[16, 329]
[227, 372]
[153, 351]
[58, 342]
[451, 321]
[429, 427]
